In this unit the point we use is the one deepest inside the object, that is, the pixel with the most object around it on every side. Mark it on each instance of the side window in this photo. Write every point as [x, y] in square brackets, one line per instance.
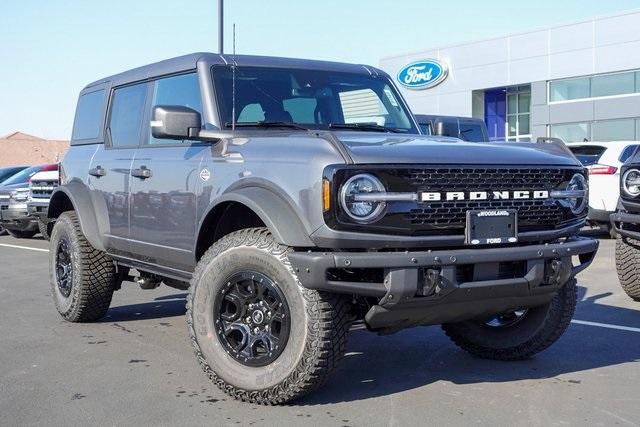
[88, 114]
[127, 112]
[182, 90]
[628, 152]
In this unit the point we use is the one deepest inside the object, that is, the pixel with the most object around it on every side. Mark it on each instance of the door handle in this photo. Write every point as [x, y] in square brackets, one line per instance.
[142, 173]
[98, 171]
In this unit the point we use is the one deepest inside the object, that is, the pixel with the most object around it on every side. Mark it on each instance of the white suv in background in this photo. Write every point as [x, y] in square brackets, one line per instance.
[603, 159]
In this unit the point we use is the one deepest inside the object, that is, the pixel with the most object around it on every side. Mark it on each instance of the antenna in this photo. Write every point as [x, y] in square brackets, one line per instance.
[233, 82]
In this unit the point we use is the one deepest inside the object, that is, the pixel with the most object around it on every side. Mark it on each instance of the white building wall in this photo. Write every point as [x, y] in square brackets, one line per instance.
[598, 45]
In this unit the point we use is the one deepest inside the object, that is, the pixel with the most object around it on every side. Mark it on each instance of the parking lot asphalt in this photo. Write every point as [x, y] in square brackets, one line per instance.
[136, 366]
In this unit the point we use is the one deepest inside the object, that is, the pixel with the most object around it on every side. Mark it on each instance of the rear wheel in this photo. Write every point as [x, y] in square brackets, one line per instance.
[82, 278]
[628, 265]
[22, 234]
[258, 334]
[518, 334]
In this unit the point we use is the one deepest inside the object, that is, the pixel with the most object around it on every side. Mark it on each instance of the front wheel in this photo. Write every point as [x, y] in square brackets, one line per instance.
[519, 334]
[43, 229]
[258, 334]
[628, 265]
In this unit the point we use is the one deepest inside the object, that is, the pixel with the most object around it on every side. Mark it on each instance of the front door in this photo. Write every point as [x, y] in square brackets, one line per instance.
[165, 180]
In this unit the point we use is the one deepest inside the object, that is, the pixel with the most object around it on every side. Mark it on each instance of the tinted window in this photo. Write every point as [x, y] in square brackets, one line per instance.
[315, 99]
[425, 128]
[588, 154]
[127, 111]
[613, 84]
[627, 152]
[180, 90]
[472, 132]
[23, 176]
[88, 114]
[7, 173]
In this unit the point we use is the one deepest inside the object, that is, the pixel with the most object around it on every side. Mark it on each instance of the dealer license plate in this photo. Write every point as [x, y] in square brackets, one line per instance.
[491, 227]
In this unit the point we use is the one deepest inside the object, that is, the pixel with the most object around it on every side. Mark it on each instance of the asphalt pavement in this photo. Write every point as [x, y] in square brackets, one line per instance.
[136, 366]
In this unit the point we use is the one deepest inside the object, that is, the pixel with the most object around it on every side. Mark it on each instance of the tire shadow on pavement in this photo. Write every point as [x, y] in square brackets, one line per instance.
[377, 366]
[160, 308]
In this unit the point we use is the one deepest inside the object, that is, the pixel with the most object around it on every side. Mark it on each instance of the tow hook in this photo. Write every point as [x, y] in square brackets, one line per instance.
[432, 282]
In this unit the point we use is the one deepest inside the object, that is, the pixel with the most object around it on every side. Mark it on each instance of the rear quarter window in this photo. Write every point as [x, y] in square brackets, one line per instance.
[588, 154]
[88, 115]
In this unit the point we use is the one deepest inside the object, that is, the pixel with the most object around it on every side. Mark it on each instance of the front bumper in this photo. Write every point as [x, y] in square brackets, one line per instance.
[626, 224]
[433, 287]
[16, 217]
[38, 208]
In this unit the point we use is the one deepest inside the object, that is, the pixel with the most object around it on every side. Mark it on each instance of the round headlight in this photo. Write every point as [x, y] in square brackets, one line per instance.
[578, 183]
[631, 182]
[363, 211]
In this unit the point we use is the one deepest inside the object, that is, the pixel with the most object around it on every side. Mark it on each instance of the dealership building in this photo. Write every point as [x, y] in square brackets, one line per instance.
[579, 81]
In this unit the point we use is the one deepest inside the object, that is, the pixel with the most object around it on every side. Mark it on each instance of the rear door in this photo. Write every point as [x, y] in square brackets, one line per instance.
[110, 170]
[163, 204]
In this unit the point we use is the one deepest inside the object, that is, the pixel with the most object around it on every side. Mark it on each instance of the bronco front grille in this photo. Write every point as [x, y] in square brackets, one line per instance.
[478, 179]
[444, 217]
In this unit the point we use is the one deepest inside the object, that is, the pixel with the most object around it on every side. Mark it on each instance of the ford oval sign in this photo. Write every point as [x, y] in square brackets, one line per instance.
[423, 74]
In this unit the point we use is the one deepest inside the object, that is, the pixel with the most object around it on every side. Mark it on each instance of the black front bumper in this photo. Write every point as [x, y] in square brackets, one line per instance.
[433, 287]
[626, 224]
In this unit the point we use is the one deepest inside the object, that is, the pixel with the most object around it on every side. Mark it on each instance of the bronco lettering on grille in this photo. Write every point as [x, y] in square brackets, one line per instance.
[483, 195]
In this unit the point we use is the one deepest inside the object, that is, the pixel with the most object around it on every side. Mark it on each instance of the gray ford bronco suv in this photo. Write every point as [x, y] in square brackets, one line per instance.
[293, 198]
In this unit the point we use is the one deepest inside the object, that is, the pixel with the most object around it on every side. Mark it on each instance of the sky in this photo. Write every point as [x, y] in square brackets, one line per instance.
[50, 49]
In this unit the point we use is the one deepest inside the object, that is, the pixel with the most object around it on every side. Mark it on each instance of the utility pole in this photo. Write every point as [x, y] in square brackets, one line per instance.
[221, 26]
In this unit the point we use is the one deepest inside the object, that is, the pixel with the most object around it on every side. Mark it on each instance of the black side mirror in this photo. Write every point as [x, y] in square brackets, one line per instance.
[175, 122]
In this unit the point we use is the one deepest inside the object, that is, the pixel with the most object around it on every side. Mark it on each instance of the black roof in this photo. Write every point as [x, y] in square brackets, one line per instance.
[190, 61]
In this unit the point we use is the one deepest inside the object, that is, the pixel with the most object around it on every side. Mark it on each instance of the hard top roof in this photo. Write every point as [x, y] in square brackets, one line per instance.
[190, 61]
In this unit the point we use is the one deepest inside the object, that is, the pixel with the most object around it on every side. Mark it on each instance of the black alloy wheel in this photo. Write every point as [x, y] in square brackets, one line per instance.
[252, 320]
[64, 268]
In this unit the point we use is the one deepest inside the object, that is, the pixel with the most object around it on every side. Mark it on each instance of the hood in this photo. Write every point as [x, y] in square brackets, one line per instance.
[371, 148]
[7, 189]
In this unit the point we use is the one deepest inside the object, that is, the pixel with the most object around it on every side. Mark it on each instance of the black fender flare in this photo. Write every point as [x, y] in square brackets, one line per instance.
[80, 197]
[278, 214]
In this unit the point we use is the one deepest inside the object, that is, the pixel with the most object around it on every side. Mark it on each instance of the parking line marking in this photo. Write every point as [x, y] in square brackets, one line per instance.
[606, 325]
[24, 247]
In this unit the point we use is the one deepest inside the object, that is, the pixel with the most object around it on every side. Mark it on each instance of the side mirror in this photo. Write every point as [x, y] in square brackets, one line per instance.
[175, 122]
[438, 128]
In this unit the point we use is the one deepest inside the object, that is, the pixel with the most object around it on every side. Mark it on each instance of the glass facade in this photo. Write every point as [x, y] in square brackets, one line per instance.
[603, 130]
[626, 83]
[519, 113]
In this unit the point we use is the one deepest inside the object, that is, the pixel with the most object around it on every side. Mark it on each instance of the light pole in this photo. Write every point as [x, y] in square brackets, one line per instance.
[221, 26]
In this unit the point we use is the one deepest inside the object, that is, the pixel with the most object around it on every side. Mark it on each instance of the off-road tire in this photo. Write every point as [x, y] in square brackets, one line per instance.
[93, 274]
[43, 229]
[537, 330]
[22, 234]
[628, 265]
[3, 231]
[319, 322]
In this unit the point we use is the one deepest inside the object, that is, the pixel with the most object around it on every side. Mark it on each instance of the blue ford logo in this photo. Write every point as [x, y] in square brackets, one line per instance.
[423, 74]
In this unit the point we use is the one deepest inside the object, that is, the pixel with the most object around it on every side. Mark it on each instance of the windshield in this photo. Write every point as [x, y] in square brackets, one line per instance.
[23, 176]
[7, 173]
[313, 99]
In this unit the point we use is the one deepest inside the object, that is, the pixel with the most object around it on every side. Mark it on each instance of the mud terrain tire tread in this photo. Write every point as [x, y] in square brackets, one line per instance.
[43, 229]
[628, 265]
[328, 326]
[93, 291]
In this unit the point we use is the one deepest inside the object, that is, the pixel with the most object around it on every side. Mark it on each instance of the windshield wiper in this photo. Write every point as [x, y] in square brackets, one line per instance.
[365, 127]
[267, 125]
